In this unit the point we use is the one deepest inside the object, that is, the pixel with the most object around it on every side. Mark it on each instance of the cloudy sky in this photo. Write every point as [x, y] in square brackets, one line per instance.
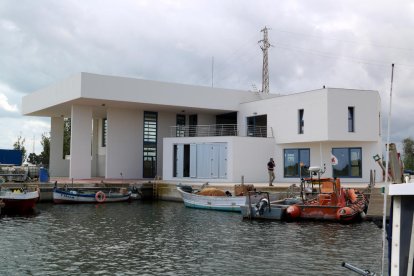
[347, 44]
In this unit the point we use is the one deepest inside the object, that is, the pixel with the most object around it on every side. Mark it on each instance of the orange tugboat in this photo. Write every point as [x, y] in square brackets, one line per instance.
[325, 199]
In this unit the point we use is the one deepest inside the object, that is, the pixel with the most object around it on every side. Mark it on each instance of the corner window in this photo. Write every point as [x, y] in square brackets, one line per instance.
[349, 162]
[351, 119]
[104, 131]
[293, 158]
[301, 122]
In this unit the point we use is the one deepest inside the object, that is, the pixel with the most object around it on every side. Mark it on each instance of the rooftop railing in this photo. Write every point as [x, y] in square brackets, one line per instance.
[219, 130]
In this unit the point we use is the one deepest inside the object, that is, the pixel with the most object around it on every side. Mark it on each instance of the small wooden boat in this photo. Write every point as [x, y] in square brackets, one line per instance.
[264, 208]
[18, 201]
[222, 202]
[90, 196]
[325, 199]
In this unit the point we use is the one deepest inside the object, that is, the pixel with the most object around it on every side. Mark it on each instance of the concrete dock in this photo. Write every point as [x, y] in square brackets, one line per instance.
[163, 190]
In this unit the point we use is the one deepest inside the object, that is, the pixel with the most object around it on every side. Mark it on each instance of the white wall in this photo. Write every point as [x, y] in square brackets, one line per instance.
[80, 142]
[282, 116]
[58, 166]
[325, 115]
[367, 107]
[247, 157]
[124, 143]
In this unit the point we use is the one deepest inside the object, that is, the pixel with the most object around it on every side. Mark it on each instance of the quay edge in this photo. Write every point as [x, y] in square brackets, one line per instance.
[162, 190]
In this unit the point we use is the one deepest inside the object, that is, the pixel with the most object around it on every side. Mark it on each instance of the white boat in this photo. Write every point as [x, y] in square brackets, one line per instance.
[221, 203]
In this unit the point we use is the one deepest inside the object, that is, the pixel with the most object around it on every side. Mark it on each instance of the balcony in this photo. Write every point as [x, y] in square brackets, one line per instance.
[220, 130]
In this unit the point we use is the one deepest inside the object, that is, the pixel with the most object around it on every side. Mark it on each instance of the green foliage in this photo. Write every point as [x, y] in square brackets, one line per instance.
[33, 158]
[408, 147]
[43, 157]
[66, 137]
[19, 145]
[45, 154]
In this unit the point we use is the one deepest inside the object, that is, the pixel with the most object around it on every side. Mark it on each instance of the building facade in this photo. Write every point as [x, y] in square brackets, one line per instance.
[132, 129]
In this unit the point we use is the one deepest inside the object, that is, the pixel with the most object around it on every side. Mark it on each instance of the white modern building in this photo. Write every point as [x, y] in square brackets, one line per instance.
[133, 129]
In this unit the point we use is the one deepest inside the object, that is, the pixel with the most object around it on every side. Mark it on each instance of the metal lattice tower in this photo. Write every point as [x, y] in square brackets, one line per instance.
[265, 71]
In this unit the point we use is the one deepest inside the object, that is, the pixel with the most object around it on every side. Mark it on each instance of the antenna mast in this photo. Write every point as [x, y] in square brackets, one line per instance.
[265, 71]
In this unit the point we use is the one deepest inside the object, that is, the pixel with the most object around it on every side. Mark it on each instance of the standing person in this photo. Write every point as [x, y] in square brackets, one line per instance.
[270, 169]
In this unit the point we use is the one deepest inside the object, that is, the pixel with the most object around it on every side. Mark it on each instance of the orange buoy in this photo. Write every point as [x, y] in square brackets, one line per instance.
[100, 196]
[293, 212]
[346, 214]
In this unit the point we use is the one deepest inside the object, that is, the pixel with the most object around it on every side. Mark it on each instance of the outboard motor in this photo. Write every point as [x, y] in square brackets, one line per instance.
[358, 270]
[261, 206]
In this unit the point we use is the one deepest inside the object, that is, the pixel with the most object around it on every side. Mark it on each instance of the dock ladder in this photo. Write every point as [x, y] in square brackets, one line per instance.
[155, 187]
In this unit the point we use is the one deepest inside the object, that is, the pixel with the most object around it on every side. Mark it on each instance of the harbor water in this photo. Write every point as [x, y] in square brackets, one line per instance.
[166, 238]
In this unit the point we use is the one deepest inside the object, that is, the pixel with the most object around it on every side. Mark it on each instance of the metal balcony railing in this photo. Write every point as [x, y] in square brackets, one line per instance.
[219, 130]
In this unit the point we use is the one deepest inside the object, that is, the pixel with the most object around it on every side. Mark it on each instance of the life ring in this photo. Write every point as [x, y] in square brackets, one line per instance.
[100, 196]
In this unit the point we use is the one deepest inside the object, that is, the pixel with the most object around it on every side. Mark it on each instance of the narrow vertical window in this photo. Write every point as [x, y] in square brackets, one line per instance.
[104, 131]
[351, 119]
[379, 124]
[150, 144]
[301, 122]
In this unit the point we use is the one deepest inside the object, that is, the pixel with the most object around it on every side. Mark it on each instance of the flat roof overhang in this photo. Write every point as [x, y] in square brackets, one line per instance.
[102, 92]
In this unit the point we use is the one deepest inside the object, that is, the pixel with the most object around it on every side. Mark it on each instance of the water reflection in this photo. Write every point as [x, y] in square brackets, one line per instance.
[165, 238]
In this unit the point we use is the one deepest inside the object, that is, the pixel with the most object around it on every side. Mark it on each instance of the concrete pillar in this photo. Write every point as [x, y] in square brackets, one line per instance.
[58, 166]
[80, 142]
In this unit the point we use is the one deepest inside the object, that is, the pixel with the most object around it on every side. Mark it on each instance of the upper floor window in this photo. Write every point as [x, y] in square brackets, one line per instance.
[301, 122]
[351, 119]
[104, 131]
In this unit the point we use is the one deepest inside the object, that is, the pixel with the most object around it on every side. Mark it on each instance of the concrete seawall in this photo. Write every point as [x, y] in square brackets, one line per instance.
[167, 191]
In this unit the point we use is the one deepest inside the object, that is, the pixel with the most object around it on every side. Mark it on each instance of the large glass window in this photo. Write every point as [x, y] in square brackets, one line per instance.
[257, 126]
[293, 158]
[349, 162]
[150, 144]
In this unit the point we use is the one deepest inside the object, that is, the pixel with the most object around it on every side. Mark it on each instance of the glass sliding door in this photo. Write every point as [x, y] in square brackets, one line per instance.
[293, 159]
[349, 162]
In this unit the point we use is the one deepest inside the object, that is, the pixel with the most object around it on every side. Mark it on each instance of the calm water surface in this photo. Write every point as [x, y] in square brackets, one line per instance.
[165, 238]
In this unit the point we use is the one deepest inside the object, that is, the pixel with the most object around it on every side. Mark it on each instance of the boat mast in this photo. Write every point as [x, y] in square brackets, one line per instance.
[386, 184]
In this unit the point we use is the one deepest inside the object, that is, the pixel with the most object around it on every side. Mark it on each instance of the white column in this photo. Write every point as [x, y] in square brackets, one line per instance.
[80, 142]
[57, 165]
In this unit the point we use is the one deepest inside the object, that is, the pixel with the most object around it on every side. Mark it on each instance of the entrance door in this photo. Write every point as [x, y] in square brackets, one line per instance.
[150, 166]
